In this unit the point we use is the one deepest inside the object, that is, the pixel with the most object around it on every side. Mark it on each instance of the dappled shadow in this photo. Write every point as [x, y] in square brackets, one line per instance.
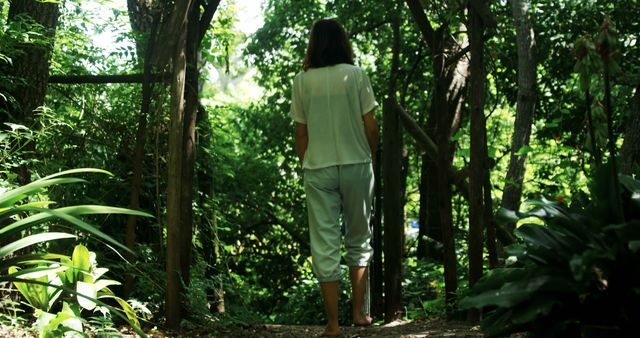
[433, 328]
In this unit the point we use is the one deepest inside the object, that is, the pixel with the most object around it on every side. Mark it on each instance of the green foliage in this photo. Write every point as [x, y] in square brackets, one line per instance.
[42, 277]
[305, 297]
[422, 287]
[570, 273]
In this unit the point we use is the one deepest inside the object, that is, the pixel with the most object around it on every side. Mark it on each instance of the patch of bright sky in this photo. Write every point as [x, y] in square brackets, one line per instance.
[110, 22]
[240, 89]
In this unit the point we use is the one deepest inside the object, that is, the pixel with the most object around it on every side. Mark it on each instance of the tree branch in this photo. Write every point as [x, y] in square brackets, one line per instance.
[457, 56]
[210, 9]
[429, 147]
[126, 78]
[367, 28]
[482, 8]
[423, 23]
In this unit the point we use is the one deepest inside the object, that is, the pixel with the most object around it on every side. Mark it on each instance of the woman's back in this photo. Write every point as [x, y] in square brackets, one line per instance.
[331, 102]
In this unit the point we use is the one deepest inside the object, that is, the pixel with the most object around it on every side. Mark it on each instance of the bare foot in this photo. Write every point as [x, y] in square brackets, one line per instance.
[330, 331]
[362, 320]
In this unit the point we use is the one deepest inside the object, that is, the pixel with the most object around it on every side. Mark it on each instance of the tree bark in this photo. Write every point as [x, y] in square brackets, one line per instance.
[393, 187]
[393, 211]
[31, 69]
[141, 19]
[441, 111]
[138, 156]
[188, 142]
[630, 150]
[174, 296]
[478, 145]
[525, 106]
[376, 271]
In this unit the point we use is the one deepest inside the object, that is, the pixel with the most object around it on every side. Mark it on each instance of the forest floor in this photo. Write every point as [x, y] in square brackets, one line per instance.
[403, 329]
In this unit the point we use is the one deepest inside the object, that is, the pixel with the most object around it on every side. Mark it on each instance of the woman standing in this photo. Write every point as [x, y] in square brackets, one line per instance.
[336, 136]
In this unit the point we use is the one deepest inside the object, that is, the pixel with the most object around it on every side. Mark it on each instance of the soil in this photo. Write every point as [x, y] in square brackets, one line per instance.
[398, 329]
[403, 329]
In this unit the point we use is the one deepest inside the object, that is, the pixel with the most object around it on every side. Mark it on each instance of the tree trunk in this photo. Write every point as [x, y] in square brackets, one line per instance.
[478, 157]
[444, 193]
[393, 211]
[141, 19]
[440, 43]
[174, 296]
[376, 271]
[477, 137]
[209, 228]
[138, 154]
[31, 69]
[393, 188]
[188, 143]
[630, 150]
[525, 106]
[428, 216]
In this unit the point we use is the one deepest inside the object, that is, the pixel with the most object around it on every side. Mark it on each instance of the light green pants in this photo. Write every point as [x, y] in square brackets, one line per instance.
[346, 188]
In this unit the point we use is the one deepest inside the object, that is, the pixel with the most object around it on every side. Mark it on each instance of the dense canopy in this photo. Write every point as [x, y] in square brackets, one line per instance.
[149, 179]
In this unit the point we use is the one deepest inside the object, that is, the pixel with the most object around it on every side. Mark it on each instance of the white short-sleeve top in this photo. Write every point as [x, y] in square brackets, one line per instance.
[331, 102]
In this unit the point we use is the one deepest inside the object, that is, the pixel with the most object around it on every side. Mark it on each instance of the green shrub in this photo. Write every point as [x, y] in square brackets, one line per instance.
[303, 302]
[44, 278]
[422, 282]
[573, 275]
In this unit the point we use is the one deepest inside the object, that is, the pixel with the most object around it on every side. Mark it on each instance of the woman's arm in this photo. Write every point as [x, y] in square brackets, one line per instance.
[371, 131]
[302, 140]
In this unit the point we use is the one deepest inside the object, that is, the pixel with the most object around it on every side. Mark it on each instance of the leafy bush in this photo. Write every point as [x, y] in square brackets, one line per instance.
[42, 278]
[423, 280]
[575, 275]
[305, 297]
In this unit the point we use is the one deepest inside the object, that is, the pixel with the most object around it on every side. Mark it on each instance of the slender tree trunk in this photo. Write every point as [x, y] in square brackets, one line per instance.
[525, 106]
[439, 41]
[429, 215]
[141, 19]
[477, 212]
[188, 143]
[393, 188]
[376, 268]
[138, 155]
[444, 187]
[476, 177]
[174, 291]
[630, 150]
[31, 69]
[592, 133]
[209, 229]
[393, 211]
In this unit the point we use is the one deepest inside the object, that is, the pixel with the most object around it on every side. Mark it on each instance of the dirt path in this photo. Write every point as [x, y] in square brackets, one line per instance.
[405, 329]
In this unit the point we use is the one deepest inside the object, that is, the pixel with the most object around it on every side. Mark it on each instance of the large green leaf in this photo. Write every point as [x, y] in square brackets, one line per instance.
[31, 259]
[72, 210]
[527, 312]
[81, 263]
[31, 240]
[75, 171]
[134, 324]
[89, 291]
[126, 307]
[498, 323]
[512, 293]
[9, 198]
[496, 278]
[80, 225]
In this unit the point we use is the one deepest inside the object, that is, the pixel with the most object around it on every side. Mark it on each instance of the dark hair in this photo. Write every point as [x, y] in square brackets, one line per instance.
[328, 45]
